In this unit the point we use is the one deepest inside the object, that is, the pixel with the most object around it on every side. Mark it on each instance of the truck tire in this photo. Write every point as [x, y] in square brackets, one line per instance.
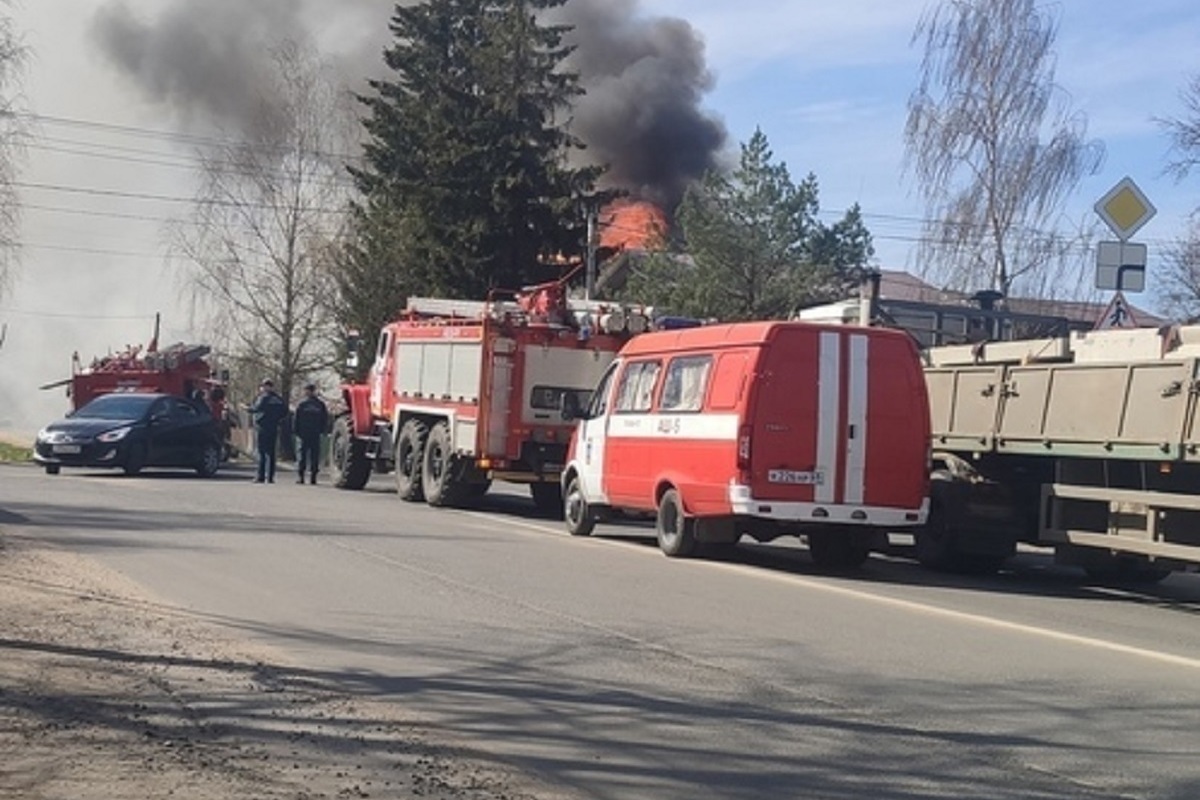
[581, 521]
[349, 466]
[676, 531]
[837, 549]
[437, 469]
[410, 453]
[938, 547]
[52, 469]
[548, 497]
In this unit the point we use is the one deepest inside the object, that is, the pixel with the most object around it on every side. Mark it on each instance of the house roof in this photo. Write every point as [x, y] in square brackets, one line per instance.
[897, 285]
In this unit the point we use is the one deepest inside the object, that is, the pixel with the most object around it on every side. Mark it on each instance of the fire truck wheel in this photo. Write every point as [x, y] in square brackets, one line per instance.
[52, 469]
[837, 549]
[134, 461]
[437, 469]
[410, 452]
[676, 531]
[210, 461]
[348, 461]
[581, 521]
[548, 498]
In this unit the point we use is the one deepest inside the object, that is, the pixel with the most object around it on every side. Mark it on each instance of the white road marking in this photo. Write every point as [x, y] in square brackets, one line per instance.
[858, 594]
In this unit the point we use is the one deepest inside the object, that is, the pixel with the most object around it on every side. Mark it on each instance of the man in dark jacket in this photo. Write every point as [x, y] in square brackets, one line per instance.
[310, 421]
[268, 411]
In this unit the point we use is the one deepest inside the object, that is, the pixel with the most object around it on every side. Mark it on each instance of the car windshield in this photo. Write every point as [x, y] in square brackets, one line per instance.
[116, 406]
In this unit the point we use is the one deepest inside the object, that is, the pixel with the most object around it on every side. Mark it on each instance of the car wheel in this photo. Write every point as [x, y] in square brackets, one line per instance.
[676, 531]
[580, 519]
[135, 461]
[210, 460]
[410, 452]
[52, 469]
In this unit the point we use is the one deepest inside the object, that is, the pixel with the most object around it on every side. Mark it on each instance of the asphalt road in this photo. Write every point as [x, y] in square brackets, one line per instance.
[614, 672]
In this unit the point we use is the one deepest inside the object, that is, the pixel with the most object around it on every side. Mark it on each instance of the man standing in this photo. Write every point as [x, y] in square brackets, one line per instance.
[268, 411]
[311, 419]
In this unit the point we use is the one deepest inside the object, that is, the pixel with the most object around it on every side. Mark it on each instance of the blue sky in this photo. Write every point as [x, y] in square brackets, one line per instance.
[827, 82]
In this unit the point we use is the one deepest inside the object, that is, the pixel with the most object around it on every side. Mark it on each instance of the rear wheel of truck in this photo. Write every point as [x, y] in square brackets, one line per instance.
[410, 453]
[581, 521]
[548, 498]
[834, 549]
[437, 469]
[349, 466]
[676, 531]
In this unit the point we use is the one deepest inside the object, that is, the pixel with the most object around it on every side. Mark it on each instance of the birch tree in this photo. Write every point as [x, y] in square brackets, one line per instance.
[268, 220]
[994, 146]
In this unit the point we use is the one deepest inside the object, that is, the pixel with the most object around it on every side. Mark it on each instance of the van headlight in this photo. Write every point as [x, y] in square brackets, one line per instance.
[114, 435]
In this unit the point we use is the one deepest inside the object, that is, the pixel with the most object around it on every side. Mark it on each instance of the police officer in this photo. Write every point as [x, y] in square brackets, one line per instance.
[268, 411]
[310, 420]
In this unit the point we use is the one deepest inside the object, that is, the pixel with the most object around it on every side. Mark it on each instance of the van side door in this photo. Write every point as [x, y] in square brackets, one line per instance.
[591, 437]
[628, 464]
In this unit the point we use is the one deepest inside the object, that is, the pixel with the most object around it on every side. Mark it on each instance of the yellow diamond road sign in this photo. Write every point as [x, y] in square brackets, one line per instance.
[1125, 209]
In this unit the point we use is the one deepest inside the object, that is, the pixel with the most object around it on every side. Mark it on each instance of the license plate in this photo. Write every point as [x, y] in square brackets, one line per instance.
[67, 449]
[796, 477]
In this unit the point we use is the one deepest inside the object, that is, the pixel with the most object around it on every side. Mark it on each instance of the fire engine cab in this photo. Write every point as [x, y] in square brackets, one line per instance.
[462, 393]
[757, 428]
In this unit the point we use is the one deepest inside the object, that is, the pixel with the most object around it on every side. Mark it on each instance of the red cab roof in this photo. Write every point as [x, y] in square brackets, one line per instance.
[737, 334]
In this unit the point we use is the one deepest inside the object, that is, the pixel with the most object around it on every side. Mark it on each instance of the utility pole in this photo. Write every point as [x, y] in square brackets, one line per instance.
[590, 266]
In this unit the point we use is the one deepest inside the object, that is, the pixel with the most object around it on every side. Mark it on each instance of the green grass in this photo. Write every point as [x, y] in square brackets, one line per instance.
[13, 452]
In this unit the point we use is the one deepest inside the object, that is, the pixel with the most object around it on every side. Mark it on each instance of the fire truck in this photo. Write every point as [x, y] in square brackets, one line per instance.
[184, 370]
[462, 393]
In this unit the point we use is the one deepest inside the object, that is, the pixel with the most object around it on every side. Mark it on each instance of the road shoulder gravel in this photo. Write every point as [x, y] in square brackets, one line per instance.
[106, 694]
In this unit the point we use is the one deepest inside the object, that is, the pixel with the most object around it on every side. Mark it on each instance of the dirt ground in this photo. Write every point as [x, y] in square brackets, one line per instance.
[108, 694]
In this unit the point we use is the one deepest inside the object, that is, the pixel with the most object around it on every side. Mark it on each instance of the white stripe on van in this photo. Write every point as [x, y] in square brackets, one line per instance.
[829, 390]
[706, 427]
[856, 413]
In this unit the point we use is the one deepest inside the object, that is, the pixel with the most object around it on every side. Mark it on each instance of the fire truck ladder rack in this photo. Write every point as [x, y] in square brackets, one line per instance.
[610, 317]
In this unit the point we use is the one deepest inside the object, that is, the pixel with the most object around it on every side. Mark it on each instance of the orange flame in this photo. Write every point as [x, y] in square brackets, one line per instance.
[632, 225]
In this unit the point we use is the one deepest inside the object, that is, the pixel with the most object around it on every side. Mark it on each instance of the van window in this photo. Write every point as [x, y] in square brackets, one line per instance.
[599, 404]
[684, 385]
[635, 392]
[729, 380]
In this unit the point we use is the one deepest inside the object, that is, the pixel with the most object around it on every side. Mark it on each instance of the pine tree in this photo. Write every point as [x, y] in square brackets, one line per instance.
[754, 247]
[465, 178]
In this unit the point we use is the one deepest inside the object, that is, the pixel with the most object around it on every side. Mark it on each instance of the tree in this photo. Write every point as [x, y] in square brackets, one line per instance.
[12, 135]
[1179, 280]
[1184, 132]
[465, 186]
[755, 249]
[993, 186]
[267, 222]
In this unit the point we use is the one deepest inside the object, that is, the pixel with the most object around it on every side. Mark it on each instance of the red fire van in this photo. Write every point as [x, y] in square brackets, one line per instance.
[757, 428]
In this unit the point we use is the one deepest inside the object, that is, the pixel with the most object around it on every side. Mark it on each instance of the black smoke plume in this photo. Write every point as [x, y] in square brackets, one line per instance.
[645, 77]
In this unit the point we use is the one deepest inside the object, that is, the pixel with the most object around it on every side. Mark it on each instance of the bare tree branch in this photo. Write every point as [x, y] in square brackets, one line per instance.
[994, 188]
[262, 237]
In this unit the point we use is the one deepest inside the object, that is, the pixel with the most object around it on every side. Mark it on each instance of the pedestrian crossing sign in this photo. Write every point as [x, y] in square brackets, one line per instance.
[1117, 314]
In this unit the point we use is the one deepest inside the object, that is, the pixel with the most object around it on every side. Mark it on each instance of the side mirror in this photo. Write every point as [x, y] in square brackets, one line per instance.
[569, 406]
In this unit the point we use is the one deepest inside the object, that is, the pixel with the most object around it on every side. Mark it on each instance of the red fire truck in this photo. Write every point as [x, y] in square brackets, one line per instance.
[462, 393]
[184, 370]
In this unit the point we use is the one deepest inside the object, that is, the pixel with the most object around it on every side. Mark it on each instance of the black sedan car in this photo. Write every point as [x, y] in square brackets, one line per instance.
[132, 431]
